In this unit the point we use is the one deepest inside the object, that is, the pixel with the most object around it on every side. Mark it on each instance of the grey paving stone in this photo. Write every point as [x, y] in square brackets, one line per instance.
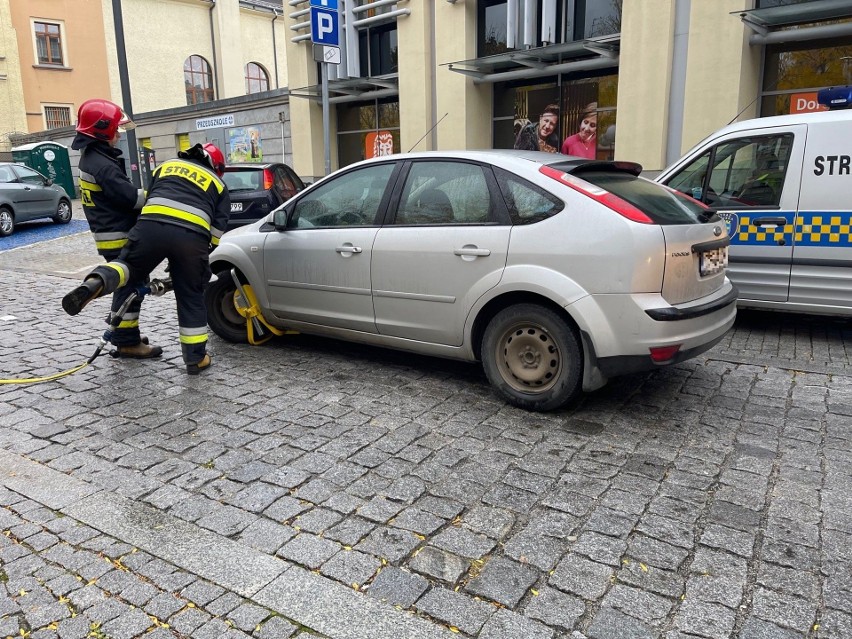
[582, 577]
[201, 592]
[130, 624]
[351, 567]
[536, 549]
[704, 619]
[834, 623]
[652, 579]
[503, 581]
[439, 564]
[40, 615]
[609, 623]
[418, 521]
[735, 541]
[350, 531]
[397, 587]
[223, 605]
[600, 548]
[285, 508]
[309, 550]
[163, 606]
[265, 535]
[555, 608]
[644, 606]
[248, 616]
[227, 520]
[455, 609]
[463, 542]
[389, 543]
[784, 610]
[276, 628]
[505, 624]
[188, 620]
[760, 629]
[316, 520]
[75, 628]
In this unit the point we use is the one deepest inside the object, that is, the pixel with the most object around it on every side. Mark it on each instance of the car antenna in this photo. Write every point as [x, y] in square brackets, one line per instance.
[428, 132]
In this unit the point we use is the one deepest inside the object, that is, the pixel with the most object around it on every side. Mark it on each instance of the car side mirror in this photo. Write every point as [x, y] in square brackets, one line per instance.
[279, 219]
[48, 181]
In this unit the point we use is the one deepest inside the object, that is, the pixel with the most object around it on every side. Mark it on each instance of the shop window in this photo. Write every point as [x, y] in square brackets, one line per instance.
[56, 117]
[367, 130]
[257, 80]
[378, 48]
[198, 80]
[48, 37]
[795, 72]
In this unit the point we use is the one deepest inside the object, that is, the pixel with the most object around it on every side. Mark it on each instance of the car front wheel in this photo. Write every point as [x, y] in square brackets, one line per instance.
[7, 222]
[532, 357]
[222, 314]
[63, 212]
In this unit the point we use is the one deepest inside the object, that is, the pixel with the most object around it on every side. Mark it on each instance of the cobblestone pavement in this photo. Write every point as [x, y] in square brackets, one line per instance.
[311, 487]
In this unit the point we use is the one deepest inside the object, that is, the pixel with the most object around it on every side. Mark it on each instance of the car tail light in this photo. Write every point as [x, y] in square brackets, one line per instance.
[662, 354]
[267, 179]
[609, 200]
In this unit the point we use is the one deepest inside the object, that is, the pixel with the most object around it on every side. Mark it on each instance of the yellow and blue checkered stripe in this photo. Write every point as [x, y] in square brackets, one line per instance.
[811, 228]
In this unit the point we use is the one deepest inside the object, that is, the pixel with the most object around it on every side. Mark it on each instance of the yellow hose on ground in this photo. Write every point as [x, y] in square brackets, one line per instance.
[34, 380]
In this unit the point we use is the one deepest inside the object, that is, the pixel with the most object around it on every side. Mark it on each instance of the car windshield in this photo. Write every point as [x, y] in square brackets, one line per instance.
[659, 203]
[243, 180]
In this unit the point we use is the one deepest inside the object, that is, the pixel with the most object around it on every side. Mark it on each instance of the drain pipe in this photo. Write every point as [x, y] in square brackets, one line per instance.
[213, 44]
[274, 47]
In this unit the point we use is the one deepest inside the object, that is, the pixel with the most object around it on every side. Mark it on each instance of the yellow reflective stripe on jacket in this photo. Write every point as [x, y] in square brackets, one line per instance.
[158, 209]
[121, 270]
[200, 176]
[89, 186]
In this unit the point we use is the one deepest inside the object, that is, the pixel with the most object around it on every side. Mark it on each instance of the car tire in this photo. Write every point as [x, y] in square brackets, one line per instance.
[63, 212]
[222, 314]
[532, 357]
[7, 221]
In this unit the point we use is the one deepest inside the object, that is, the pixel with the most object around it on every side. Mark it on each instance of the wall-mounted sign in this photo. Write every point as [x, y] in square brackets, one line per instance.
[244, 145]
[214, 122]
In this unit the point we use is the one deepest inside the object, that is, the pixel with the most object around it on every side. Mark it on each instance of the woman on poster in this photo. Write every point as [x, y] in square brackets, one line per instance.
[584, 142]
[541, 136]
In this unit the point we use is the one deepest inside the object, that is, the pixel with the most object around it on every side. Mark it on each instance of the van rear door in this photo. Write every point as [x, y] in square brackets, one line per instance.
[822, 257]
[751, 178]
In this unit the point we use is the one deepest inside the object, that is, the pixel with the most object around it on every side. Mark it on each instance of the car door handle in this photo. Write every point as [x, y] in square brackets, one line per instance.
[27, 188]
[477, 252]
[348, 249]
[767, 221]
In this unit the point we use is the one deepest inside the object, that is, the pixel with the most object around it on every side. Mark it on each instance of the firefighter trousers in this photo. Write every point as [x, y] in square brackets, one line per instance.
[149, 243]
[127, 333]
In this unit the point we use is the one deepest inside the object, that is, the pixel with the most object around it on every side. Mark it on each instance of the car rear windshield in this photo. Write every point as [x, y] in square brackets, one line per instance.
[247, 180]
[658, 203]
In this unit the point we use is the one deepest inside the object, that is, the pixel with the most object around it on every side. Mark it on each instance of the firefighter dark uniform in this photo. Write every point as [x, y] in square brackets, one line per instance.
[111, 203]
[184, 216]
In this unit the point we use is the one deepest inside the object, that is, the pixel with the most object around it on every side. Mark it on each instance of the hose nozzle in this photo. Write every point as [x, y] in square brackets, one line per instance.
[160, 287]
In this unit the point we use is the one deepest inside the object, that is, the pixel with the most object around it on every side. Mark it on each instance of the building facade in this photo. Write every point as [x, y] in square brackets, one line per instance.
[445, 74]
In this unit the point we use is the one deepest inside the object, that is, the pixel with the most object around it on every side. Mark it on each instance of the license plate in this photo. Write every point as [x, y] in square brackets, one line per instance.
[236, 207]
[712, 262]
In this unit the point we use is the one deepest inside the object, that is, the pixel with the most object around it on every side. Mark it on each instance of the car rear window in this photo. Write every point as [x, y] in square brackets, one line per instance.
[658, 203]
[248, 180]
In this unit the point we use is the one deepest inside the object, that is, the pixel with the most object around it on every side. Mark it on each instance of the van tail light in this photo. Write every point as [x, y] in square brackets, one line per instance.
[663, 354]
[609, 200]
[267, 179]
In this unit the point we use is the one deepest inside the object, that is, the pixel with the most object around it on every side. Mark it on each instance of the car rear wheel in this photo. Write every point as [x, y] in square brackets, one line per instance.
[7, 222]
[222, 314]
[532, 357]
[63, 212]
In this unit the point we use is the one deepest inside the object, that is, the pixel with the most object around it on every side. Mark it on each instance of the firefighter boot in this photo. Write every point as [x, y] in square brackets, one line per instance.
[138, 351]
[205, 363]
[91, 288]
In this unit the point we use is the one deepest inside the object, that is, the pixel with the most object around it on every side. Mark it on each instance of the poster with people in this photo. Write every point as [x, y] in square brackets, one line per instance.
[577, 119]
[244, 145]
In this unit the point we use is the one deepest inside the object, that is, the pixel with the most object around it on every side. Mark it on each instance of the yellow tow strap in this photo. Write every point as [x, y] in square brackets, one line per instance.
[252, 313]
[34, 380]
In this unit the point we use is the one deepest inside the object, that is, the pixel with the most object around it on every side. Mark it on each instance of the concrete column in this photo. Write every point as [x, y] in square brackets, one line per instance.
[416, 37]
[12, 108]
[723, 71]
[230, 67]
[468, 106]
[644, 81]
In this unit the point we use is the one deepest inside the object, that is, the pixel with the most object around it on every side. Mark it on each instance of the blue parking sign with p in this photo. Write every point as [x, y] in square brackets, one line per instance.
[324, 24]
[330, 5]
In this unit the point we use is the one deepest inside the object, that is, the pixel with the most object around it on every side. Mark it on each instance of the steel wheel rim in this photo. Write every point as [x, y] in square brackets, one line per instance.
[528, 358]
[5, 221]
[64, 211]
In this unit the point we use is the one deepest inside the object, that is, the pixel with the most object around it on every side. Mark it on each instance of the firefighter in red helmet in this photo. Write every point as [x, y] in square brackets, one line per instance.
[184, 216]
[111, 203]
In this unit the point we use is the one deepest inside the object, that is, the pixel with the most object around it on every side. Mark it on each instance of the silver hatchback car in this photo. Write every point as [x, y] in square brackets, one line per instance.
[555, 272]
[25, 194]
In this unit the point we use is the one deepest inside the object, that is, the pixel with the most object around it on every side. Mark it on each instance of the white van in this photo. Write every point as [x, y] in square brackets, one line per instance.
[783, 185]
